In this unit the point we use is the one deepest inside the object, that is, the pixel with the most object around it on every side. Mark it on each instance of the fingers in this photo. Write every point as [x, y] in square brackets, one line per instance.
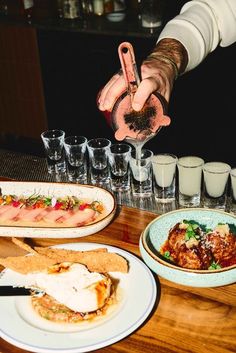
[109, 94]
[146, 87]
[154, 79]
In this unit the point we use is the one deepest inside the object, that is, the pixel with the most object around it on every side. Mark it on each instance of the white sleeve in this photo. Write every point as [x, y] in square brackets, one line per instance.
[201, 26]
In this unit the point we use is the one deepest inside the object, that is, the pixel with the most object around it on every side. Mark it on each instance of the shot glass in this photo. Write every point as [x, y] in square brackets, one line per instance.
[164, 172]
[141, 173]
[216, 175]
[119, 158]
[232, 199]
[75, 149]
[99, 150]
[53, 141]
[189, 181]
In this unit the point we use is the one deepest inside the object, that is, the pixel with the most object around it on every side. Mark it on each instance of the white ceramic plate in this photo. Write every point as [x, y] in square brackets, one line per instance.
[21, 327]
[59, 190]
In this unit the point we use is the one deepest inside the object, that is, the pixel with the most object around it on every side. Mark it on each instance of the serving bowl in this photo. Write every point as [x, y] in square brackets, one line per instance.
[83, 192]
[156, 233]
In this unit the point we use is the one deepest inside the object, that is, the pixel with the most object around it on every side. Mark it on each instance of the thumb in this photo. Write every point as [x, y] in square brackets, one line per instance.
[145, 89]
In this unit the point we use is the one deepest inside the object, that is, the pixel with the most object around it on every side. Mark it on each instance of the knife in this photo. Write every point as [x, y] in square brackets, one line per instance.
[12, 291]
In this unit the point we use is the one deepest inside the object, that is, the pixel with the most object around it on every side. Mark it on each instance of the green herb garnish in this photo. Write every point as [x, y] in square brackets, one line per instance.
[214, 266]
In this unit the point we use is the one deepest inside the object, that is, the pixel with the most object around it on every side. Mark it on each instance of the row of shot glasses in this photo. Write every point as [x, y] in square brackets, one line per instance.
[98, 161]
[194, 182]
[188, 181]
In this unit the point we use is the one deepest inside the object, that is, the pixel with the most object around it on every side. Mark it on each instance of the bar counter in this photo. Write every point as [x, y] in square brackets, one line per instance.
[183, 319]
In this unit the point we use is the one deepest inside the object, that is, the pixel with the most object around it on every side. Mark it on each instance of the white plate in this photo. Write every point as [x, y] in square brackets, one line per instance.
[22, 328]
[59, 190]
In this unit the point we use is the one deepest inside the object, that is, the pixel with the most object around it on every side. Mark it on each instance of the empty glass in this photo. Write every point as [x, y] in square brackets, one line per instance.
[99, 149]
[53, 141]
[151, 13]
[75, 148]
[119, 158]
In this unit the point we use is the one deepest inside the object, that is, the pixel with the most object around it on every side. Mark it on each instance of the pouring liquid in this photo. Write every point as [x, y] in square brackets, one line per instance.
[138, 145]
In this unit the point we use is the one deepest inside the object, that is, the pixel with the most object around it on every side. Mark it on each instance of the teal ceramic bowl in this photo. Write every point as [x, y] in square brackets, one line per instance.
[155, 235]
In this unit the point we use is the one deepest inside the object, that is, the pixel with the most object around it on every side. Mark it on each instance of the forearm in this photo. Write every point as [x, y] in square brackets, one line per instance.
[172, 53]
[196, 28]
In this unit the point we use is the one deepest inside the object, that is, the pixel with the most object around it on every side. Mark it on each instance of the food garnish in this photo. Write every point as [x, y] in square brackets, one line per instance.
[48, 211]
[195, 246]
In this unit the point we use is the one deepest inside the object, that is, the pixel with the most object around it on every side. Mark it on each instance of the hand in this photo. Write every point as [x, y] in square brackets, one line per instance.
[157, 74]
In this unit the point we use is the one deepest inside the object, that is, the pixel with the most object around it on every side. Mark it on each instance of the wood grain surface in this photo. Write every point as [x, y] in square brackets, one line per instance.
[184, 319]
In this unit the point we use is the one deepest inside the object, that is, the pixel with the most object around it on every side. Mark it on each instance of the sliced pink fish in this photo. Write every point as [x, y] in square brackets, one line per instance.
[53, 215]
[43, 213]
[66, 216]
[10, 213]
[21, 214]
[29, 215]
[4, 208]
[80, 217]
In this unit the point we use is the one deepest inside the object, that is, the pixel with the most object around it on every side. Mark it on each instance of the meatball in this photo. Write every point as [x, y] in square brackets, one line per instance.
[197, 257]
[176, 238]
[223, 247]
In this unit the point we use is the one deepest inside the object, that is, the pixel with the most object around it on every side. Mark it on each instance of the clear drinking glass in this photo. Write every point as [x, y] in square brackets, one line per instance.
[164, 170]
[232, 201]
[76, 158]
[216, 175]
[53, 141]
[141, 173]
[189, 182]
[119, 159]
[99, 150]
[151, 13]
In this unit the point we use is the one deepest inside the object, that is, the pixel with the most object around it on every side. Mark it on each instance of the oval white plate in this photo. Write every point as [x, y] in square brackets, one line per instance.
[138, 288]
[59, 190]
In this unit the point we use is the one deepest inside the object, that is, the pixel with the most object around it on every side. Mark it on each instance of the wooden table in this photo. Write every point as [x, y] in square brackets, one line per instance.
[185, 319]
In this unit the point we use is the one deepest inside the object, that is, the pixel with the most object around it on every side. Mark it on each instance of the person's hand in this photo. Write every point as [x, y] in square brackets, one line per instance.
[158, 73]
[157, 76]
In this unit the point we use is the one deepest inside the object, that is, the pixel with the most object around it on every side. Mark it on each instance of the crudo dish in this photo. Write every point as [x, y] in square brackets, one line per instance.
[192, 247]
[53, 210]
